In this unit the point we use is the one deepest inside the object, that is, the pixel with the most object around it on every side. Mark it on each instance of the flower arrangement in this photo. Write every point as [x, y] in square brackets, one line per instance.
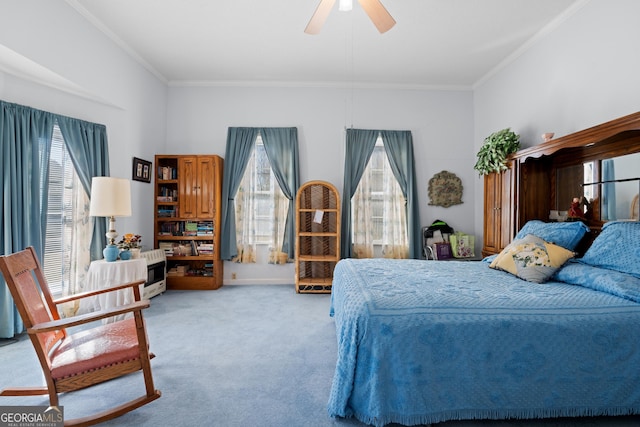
[130, 241]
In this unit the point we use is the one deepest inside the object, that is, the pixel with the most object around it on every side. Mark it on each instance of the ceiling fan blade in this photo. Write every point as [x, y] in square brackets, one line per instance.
[319, 16]
[380, 17]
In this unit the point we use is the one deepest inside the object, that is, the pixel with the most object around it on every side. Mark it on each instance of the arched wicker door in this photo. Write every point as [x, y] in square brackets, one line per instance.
[317, 236]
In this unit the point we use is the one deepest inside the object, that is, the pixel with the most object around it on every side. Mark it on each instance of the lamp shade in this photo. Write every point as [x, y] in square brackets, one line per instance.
[110, 197]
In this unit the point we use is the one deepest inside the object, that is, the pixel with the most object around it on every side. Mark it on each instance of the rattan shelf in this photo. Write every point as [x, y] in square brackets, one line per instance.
[317, 236]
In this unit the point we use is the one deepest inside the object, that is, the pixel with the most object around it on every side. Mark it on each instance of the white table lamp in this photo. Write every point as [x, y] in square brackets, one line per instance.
[110, 197]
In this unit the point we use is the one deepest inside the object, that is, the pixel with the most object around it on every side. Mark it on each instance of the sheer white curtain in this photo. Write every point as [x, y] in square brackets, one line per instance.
[69, 226]
[395, 241]
[280, 207]
[246, 207]
[80, 239]
[79, 235]
[261, 211]
[378, 211]
[362, 217]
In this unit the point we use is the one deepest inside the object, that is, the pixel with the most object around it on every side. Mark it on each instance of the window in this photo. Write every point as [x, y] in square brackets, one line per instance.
[261, 207]
[378, 210]
[66, 220]
[375, 175]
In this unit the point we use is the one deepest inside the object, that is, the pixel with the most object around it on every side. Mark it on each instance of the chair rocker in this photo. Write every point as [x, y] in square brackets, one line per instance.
[81, 359]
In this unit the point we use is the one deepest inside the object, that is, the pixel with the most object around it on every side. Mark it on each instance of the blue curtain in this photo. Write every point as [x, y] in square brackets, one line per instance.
[281, 146]
[25, 142]
[240, 145]
[22, 130]
[399, 148]
[88, 149]
[359, 147]
[360, 144]
[608, 191]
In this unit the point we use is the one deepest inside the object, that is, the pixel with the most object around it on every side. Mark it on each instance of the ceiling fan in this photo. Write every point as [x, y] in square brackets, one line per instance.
[376, 11]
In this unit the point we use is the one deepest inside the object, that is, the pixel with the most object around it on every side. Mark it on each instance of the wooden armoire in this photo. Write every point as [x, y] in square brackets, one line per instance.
[542, 178]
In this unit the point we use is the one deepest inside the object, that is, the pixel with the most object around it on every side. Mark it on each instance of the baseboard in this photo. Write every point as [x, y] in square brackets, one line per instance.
[270, 281]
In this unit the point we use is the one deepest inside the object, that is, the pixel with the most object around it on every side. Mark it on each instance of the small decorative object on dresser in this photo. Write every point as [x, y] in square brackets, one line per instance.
[547, 136]
[575, 210]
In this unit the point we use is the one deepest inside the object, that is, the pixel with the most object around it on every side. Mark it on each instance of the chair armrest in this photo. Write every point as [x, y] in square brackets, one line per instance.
[68, 322]
[86, 294]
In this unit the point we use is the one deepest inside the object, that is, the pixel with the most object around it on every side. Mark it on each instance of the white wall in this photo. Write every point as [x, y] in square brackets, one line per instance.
[583, 73]
[87, 76]
[83, 74]
[441, 123]
[580, 74]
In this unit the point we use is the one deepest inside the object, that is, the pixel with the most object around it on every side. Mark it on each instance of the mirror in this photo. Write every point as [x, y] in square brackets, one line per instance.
[607, 201]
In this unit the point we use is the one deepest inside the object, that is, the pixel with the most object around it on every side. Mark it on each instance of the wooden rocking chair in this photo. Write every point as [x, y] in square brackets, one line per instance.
[82, 359]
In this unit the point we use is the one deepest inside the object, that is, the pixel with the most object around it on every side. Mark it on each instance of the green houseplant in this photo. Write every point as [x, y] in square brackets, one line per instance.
[492, 156]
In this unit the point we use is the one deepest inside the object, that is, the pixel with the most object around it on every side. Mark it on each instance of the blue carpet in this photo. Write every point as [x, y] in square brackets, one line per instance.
[239, 356]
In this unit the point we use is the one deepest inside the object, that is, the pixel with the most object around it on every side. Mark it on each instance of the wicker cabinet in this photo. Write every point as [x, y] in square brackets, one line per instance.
[187, 219]
[317, 236]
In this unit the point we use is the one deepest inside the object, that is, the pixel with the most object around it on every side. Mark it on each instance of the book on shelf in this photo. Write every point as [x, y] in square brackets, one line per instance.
[190, 228]
[205, 228]
[178, 270]
[178, 228]
[167, 213]
[205, 248]
[182, 248]
[167, 173]
[167, 229]
[167, 194]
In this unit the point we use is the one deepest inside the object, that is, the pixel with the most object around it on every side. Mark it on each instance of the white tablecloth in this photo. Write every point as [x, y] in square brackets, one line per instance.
[102, 275]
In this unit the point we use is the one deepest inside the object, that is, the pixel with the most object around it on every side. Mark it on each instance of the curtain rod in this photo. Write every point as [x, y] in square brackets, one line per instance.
[609, 181]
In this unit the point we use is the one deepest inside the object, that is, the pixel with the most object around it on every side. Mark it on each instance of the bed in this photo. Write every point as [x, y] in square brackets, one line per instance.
[424, 342]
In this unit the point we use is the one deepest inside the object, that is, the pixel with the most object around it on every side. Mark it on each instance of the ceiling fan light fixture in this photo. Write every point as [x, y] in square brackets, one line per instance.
[345, 5]
[380, 17]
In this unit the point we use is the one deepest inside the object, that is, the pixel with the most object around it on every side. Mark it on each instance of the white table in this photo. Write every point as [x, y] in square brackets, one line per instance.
[103, 275]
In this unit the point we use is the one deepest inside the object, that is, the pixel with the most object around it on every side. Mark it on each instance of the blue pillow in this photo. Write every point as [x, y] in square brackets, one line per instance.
[601, 279]
[617, 247]
[565, 234]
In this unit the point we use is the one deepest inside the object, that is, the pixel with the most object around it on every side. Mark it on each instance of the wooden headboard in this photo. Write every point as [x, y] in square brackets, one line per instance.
[535, 169]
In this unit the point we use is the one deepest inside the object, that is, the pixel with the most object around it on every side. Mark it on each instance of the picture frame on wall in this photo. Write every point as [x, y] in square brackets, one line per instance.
[141, 170]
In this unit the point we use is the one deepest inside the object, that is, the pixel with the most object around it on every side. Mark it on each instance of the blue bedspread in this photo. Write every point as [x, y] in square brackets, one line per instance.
[423, 342]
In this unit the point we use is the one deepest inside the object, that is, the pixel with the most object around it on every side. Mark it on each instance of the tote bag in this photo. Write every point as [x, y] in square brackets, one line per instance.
[462, 245]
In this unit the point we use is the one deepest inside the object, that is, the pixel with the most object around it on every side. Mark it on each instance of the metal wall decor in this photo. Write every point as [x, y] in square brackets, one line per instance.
[445, 189]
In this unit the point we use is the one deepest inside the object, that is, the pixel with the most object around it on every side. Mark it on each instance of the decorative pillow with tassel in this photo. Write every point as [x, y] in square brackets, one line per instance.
[532, 259]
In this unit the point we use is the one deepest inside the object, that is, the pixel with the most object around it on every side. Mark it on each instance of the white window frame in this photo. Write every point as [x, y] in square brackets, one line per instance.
[379, 193]
[56, 264]
[263, 235]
